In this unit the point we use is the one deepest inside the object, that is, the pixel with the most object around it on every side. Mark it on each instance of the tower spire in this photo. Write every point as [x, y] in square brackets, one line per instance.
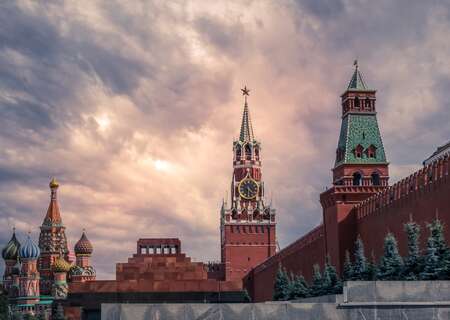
[246, 126]
[357, 82]
[53, 215]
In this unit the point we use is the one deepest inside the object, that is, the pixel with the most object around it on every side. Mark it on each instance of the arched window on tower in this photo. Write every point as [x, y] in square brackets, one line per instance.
[248, 152]
[372, 151]
[357, 103]
[367, 104]
[238, 152]
[359, 151]
[376, 179]
[357, 179]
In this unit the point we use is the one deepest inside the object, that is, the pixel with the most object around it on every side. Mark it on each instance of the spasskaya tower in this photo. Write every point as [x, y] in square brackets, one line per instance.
[247, 223]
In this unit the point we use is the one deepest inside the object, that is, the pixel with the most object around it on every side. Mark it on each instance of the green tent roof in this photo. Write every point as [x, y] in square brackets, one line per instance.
[360, 129]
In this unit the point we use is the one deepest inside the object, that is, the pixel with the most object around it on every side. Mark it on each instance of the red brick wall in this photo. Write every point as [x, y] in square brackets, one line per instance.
[299, 258]
[415, 197]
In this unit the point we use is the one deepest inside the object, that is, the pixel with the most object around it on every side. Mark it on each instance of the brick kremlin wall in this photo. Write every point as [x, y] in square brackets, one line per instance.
[420, 197]
[298, 257]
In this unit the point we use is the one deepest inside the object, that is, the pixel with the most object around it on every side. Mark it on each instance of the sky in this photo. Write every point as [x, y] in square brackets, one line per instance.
[133, 107]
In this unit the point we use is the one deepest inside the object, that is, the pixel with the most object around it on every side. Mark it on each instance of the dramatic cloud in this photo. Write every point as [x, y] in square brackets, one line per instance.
[134, 105]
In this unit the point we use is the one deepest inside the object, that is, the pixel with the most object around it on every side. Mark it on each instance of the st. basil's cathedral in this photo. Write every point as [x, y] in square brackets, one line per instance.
[36, 275]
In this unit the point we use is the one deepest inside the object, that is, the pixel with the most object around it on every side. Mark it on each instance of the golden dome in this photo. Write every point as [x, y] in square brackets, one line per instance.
[53, 183]
[61, 265]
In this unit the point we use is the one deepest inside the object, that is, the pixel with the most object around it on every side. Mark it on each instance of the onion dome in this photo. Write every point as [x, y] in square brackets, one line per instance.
[76, 270]
[11, 250]
[83, 246]
[53, 183]
[61, 265]
[29, 250]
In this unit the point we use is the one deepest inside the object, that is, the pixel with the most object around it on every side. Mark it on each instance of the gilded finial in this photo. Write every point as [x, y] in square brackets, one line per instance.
[53, 183]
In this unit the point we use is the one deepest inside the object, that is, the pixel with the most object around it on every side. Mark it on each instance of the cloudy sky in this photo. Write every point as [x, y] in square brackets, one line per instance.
[133, 107]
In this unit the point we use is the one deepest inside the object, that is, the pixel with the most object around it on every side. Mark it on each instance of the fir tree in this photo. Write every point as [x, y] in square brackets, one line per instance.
[360, 265]
[331, 282]
[281, 286]
[391, 264]
[347, 273]
[436, 258]
[413, 263]
[317, 288]
[437, 234]
[372, 269]
[299, 288]
[432, 268]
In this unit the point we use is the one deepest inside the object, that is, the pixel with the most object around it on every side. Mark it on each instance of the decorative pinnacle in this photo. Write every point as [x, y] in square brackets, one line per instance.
[246, 126]
[357, 82]
[53, 184]
[245, 93]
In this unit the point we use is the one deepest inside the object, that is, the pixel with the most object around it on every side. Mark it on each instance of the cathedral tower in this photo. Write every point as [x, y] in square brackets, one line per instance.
[29, 293]
[247, 224]
[10, 254]
[82, 270]
[52, 240]
[360, 169]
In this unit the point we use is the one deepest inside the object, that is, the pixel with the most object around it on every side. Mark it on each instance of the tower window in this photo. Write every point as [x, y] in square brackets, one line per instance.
[376, 179]
[358, 151]
[248, 152]
[371, 151]
[368, 102]
[357, 179]
[357, 106]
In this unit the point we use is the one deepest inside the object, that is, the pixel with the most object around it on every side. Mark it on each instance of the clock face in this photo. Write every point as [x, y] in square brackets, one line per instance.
[248, 188]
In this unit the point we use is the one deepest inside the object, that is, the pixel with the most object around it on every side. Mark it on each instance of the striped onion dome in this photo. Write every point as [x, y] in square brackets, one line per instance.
[61, 265]
[83, 246]
[11, 250]
[29, 250]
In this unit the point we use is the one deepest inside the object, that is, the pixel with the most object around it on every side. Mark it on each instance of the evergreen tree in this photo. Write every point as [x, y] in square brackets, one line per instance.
[437, 234]
[317, 288]
[436, 259]
[413, 263]
[360, 265]
[391, 264]
[3, 306]
[331, 282]
[347, 273]
[281, 286]
[299, 288]
[372, 269]
[431, 269]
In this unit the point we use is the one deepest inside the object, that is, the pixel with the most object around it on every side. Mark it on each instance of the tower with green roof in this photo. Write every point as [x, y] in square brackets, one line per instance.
[360, 156]
[360, 168]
